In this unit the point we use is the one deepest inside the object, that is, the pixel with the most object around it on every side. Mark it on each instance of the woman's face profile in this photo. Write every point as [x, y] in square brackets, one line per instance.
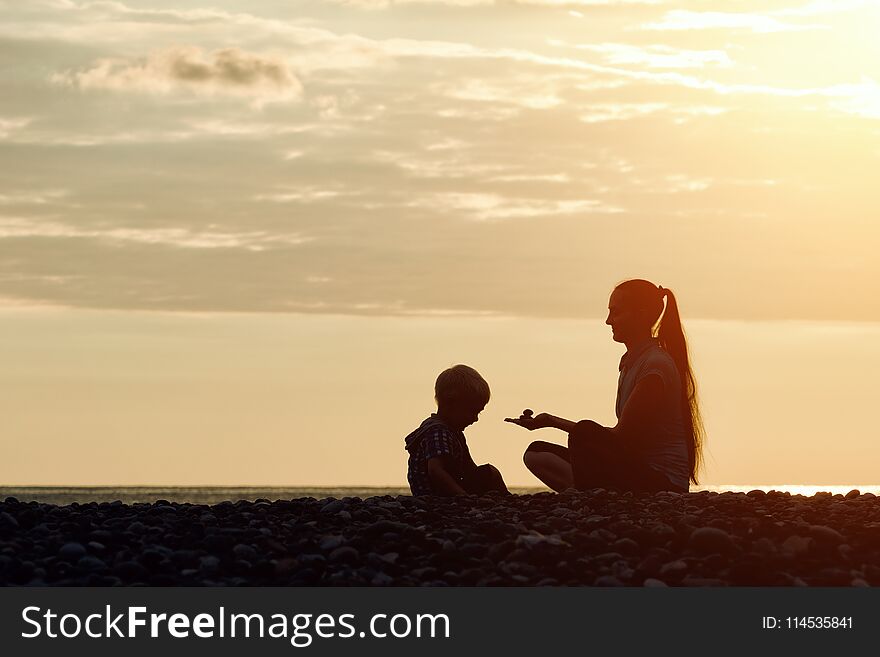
[622, 318]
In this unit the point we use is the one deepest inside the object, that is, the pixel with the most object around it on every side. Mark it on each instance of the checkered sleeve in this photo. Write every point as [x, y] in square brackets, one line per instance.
[438, 442]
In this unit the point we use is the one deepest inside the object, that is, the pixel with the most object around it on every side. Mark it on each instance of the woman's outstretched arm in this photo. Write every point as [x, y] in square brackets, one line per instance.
[542, 421]
[640, 413]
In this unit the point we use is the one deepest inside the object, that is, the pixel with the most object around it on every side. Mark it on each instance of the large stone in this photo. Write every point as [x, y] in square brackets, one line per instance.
[71, 551]
[7, 520]
[244, 551]
[91, 564]
[797, 545]
[826, 535]
[708, 540]
[334, 506]
[651, 582]
[344, 554]
[330, 542]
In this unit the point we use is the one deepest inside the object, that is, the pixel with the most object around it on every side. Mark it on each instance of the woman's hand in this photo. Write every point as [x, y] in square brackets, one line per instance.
[539, 421]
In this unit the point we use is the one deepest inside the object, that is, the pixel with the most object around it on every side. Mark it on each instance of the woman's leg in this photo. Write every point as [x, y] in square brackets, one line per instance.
[549, 463]
[601, 460]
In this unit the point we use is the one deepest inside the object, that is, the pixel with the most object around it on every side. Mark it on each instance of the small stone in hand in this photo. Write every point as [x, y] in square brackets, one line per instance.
[528, 412]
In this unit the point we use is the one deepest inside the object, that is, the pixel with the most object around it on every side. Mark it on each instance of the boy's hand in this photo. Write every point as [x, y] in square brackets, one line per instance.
[540, 421]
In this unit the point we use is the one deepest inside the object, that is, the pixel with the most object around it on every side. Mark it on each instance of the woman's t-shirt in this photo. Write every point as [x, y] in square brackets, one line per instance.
[665, 450]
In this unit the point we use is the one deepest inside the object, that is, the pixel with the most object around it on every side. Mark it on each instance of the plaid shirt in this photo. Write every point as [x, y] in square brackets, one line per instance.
[433, 438]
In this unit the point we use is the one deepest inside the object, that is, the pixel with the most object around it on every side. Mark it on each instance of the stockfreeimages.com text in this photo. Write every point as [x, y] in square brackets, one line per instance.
[301, 629]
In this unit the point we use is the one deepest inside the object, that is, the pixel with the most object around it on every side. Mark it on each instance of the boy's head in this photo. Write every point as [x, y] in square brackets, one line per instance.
[461, 394]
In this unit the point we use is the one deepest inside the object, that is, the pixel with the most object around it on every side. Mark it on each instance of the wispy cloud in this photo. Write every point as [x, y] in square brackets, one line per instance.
[657, 56]
[259, 78]
[494, 207]
[17, 227]
[678, 20]
[442, 164]
[820, 7]
[532, 177]
[522, 94]
[9, 126]
[861, 99]
[388, 4]
[305, 195]
[598, 113]
[35, 197]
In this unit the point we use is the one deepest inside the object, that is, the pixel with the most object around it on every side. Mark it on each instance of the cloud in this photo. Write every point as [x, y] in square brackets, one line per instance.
[680, 114]
[33, 197]
[261, 78]
[676, 183]
[9, 126]
[308, 195]
[445, 164]
[533, 177]
[714, 20]
[599, 113]
[820, 7]
[509, 92]
[862, 99]
[494, 207]
[658, 56]
[387, 4]
[16, 227]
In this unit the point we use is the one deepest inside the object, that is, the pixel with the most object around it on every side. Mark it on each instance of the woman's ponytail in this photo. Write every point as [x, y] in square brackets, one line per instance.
[672, 338]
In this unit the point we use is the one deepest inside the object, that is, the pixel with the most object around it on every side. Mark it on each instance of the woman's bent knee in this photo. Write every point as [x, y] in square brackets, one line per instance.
[538, 446]
[535, 447]
[584, 432]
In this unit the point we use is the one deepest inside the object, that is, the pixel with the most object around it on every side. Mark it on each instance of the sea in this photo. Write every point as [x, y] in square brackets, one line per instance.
[207, 495]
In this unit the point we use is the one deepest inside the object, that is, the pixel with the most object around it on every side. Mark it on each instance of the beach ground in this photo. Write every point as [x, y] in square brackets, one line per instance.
[592, 538]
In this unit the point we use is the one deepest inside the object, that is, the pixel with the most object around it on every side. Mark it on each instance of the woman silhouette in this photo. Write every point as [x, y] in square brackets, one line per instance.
[657, 442]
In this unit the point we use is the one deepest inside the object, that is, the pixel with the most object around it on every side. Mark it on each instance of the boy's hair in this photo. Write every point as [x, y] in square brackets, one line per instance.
[461, 383]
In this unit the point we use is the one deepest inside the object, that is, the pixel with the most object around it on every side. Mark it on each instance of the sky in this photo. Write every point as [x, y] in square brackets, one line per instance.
[332, 177]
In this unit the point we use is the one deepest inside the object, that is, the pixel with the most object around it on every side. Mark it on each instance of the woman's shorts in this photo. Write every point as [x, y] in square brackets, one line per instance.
[599, 459]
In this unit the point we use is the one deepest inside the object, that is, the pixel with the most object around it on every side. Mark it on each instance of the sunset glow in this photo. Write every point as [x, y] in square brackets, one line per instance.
[238, 240]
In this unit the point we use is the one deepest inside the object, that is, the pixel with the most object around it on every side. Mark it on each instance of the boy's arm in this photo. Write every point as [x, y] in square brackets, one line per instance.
[441, 481]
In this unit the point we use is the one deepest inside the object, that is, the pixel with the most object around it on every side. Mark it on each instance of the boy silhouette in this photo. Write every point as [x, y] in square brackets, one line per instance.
[440, 462]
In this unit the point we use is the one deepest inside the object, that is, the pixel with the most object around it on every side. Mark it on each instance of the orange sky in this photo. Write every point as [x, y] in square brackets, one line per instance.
[204, 208]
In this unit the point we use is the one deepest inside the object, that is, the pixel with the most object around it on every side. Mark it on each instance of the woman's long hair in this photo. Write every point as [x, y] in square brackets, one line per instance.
[648, 299]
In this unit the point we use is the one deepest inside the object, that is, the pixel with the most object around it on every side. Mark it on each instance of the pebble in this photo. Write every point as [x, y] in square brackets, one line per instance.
[650, 582]
[344, 554]
[71, 551]
[707, 540]
[209, 563]
[7, 520]
[797, 545]
[91, 564]
[331, 542]
[245, 552]
[334, 506]
[825, 534]
[381, 579]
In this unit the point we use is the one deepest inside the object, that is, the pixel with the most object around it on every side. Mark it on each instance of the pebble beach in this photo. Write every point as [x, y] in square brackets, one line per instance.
[592, 538]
